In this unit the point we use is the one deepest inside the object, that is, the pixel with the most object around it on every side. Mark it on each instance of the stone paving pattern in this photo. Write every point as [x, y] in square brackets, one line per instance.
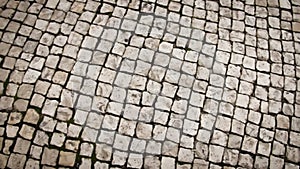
[150, 84]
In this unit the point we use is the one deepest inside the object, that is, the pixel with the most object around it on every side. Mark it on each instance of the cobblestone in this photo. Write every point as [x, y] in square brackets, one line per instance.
[149, 84]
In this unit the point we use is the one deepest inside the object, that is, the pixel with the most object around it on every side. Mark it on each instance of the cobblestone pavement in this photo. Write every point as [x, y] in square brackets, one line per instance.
[150, 84]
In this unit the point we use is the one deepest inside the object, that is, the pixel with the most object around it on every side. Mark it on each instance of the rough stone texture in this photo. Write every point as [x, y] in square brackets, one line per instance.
[67, 158]
[150, 84]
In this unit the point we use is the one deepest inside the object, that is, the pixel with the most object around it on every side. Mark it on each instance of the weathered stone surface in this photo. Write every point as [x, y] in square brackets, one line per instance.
[156, 84]
[49, 156]
[67, 158]
[16, 161]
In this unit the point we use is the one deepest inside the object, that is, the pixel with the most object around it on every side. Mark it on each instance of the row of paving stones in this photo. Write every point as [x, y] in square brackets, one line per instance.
[154, 84]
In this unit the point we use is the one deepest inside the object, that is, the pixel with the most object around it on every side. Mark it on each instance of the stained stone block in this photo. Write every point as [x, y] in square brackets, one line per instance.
[49, 156]
[6, 103]
[16, 161]
[67, 158]
[103, 152]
